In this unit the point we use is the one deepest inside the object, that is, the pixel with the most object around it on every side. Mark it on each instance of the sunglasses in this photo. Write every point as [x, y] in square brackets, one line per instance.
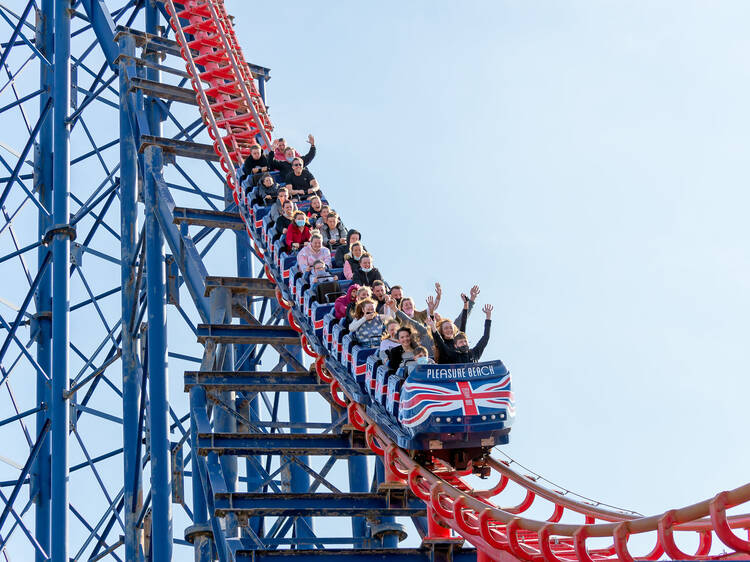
[296, 165]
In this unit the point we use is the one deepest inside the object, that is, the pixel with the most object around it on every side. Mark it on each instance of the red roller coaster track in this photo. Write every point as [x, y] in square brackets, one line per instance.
[235, 117]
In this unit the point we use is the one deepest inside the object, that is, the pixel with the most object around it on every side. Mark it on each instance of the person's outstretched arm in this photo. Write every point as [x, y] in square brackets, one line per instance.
[478, 349]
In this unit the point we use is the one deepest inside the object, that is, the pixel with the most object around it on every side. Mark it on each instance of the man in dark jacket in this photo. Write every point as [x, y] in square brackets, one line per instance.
[255, 164]
[300, 181]
[460, 351]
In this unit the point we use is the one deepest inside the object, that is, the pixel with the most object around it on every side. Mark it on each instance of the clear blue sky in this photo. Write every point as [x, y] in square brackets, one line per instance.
[586, 164]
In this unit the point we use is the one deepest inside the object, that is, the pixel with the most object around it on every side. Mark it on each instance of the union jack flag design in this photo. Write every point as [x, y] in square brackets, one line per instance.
[419, 400]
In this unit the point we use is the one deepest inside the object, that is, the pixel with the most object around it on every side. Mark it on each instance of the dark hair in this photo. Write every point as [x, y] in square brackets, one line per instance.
[412, 338]
[405, 329]
[396, 287]
[460, 336]
[349, 235]
[377, 283]
[420, 349]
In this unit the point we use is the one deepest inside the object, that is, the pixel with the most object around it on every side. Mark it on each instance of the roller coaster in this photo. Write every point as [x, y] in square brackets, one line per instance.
[103, 456]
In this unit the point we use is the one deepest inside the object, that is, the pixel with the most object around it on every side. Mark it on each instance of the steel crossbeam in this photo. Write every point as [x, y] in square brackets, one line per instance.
[239, 334]
[283, 444]
[375, 554]
[210, 218]
[243, 285]
[319, 504]
[255, 381]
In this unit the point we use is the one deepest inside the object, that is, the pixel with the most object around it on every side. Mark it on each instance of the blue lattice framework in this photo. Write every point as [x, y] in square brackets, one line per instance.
[111, 186]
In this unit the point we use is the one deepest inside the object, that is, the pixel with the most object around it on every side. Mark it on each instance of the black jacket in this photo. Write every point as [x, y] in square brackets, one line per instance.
[263, 162]
[450, 354]
[366, 278]
[281, 223]
[395, 358]
[301, 181]
[286, 167]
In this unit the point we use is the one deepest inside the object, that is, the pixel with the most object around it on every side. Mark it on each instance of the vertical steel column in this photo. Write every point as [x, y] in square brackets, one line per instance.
[225, 422]
[60, 284]
[303, 526]
[262, 88]
[41, 476]
[358, 482]
[161, 473]
[200, 532]
[388, 540]
[130, 371]
[152, 26]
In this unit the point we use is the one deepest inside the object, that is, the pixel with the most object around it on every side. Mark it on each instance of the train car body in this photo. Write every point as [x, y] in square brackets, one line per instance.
[437, 407]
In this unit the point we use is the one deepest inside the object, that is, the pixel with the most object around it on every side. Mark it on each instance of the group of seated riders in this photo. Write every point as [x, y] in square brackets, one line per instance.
[375, 314]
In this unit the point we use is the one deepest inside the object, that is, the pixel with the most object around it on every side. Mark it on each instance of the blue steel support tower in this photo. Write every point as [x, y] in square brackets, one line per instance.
[105, 155]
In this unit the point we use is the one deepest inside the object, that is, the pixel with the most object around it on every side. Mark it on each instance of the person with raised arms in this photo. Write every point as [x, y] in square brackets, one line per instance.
[461, 352]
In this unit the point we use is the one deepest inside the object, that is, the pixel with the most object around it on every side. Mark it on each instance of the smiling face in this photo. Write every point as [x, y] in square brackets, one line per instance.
[357, 251]
[331, 221]
[404, 338]
[396, 293]
[282, 195]
[268, 181]
[354, 237]
[315, 204]
[407, 306]
[319, 266]
[282, 145]
[392, 329]
[379, 292]
[447, 330]
[255, 152]
[366, 262]
[297, 166]
[288, 209]
[316, 243]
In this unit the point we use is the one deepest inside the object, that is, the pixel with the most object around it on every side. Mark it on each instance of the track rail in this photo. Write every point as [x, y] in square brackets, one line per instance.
[235, 118]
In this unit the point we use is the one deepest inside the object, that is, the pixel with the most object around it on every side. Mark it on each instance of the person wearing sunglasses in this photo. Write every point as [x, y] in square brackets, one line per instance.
[300, 181]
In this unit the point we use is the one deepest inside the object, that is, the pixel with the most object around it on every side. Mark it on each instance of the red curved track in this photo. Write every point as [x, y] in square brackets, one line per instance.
[234, 118]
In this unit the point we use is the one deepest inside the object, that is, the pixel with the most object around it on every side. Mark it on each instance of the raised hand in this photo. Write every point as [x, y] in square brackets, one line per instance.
[311, 139]
[438, 290]
[487, 309]
[473, 293]
[431, 303]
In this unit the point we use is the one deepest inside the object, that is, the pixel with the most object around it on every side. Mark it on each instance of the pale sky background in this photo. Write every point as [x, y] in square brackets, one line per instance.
[584, 162]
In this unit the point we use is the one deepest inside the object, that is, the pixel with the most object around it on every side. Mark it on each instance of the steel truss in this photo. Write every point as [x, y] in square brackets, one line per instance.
[114, 447]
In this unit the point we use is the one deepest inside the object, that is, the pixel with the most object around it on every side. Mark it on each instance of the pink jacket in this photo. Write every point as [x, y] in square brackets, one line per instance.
[339, 307]
[306, 257]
